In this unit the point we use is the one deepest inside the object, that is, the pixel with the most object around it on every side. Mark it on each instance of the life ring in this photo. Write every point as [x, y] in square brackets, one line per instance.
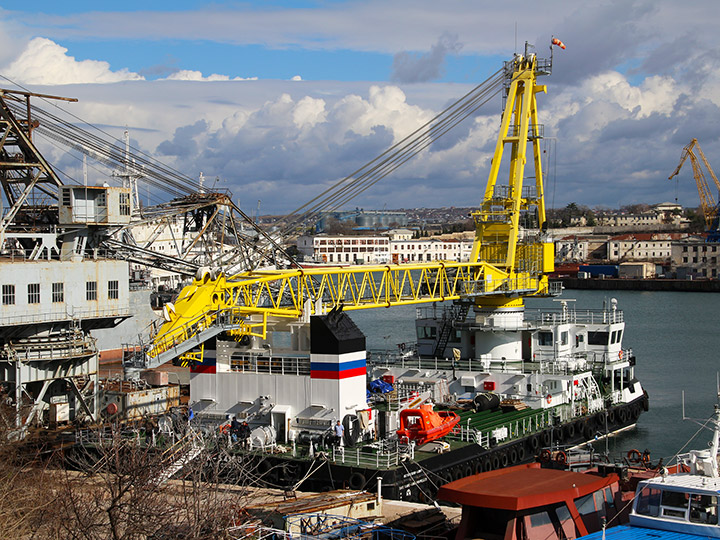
[620, 355]
[545, 455]
[634, 456]
[225, 429]
[561, 458]
[549, 399]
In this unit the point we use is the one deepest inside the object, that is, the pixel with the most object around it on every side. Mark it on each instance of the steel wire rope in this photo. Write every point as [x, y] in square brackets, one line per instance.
[106, 160]
[381, 170]
[419, 146]
[107, 154]
[111, 159]
[195, 185]
[392, 153]
[464, 107]
[487, 86]
[412, 149]
[110, 154]
[61, 145]
[84, 142]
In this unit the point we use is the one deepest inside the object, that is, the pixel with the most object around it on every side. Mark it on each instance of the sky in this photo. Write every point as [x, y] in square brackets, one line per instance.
[277, 100]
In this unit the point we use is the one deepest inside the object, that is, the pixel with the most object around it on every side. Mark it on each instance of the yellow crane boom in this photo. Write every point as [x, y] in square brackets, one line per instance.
[510, 257]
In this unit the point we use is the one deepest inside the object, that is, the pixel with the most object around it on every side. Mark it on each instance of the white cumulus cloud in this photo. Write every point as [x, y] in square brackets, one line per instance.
[191, 75]
[45, 62]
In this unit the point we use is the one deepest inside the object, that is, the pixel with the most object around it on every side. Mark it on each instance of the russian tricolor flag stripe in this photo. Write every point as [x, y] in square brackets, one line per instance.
[338, 366]
[333, 366]
[337, 375]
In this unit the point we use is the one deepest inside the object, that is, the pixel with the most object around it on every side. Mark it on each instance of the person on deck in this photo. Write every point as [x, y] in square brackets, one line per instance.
[339, 431]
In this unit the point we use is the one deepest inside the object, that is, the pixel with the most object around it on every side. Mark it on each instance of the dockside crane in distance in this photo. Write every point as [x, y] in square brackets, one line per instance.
[709, 207]
[511, 258]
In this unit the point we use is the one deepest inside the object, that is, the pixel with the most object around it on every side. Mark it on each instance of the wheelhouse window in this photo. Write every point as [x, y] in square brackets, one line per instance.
[91, 290]
[58, 292]
[545, 339]
[426, 332]
[648, 502]
[703, 509]
[674, 504]
[598, 338]
[33, 293]
[8, 295]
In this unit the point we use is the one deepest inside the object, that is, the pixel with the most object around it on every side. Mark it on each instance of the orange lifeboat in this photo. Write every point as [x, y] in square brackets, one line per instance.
[424, 425]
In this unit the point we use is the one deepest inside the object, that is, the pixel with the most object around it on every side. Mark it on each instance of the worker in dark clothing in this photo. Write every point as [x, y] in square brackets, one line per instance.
[244, 434]
[234, 429]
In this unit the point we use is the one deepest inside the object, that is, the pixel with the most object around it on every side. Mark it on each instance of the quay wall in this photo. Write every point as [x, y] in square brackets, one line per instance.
[614, 284]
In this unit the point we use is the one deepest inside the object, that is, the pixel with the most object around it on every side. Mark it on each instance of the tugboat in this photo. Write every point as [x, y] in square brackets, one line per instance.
[681, 503]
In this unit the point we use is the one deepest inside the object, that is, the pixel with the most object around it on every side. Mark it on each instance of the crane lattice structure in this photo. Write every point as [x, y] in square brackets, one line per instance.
[511, 257]
[709, 207]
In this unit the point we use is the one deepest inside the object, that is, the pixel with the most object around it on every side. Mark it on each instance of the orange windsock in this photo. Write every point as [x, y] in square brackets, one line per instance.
[556, 41]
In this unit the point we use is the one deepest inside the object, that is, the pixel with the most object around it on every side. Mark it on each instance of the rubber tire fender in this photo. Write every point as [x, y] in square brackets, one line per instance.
[356, 481]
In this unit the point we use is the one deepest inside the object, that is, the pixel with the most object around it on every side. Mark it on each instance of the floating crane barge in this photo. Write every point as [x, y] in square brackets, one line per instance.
[278, 350]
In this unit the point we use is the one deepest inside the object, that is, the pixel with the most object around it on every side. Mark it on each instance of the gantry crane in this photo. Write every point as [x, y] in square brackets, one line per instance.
[709, 207]
[511, 257]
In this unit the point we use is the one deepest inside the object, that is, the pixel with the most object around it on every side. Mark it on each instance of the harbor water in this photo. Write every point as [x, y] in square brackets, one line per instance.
[675, 337]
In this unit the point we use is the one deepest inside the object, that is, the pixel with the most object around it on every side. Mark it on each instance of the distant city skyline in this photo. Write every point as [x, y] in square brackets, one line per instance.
[278, 100]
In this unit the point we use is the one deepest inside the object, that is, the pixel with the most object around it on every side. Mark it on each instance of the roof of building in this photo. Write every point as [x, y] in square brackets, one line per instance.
[648, 237]
[522, 487]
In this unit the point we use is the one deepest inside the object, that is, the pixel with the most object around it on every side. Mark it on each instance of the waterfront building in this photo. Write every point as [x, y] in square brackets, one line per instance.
[693, 257]
[642, 246]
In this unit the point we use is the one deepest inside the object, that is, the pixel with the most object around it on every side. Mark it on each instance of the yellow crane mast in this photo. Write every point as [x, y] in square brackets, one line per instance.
[510, 257]
[707, 200]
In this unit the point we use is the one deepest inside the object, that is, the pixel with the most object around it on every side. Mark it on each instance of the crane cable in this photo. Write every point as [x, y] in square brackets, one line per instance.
[368, 175]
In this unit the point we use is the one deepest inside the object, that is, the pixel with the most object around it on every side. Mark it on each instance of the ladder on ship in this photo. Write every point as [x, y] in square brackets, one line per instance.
[447, 327]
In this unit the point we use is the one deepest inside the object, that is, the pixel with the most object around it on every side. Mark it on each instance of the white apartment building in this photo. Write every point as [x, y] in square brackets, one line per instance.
[382, 250]
[642, 246]
[345, 249]
[430, 249]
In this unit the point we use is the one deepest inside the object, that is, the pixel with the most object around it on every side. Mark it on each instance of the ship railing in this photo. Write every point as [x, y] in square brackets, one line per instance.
[386, 359]
[451, 312]
[507, 431]
[485, 287]
[377, 458]
[280, 365]
[36, 318]
[585, 316]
